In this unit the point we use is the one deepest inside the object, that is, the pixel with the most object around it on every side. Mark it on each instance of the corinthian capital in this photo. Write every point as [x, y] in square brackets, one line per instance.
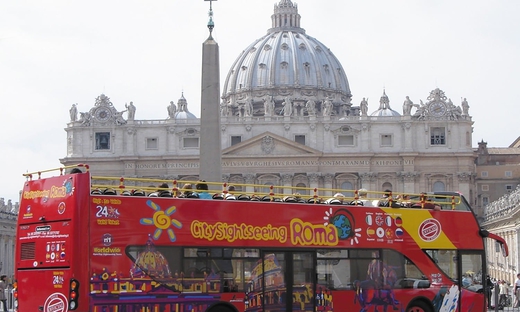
[287, 178]
[408, 176]
[314, 177]
[250, 178]
[367, 176]
[464, 176]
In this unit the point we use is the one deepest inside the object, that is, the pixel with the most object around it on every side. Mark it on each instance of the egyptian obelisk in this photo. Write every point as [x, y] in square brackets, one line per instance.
[210, 145]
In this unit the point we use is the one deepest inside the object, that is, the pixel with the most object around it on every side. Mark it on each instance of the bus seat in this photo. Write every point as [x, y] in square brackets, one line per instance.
[138, 193]
[243, 197]
[165, 193]
[109, 191]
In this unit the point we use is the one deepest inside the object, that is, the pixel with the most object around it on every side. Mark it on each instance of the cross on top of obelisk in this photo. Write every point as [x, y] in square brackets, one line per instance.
[211, 24]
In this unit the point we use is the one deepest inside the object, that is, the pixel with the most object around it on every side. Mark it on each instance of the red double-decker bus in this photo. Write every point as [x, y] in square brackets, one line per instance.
[106, 244]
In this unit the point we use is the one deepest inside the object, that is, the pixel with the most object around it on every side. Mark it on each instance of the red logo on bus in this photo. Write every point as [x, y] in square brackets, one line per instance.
[429, 230]
[56, 302]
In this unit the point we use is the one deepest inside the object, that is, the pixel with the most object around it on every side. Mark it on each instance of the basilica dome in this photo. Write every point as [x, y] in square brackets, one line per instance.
[286, 62]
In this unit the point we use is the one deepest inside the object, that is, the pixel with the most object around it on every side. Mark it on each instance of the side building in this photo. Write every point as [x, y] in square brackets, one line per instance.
[502, 217]
[8, 217]
[498, 172]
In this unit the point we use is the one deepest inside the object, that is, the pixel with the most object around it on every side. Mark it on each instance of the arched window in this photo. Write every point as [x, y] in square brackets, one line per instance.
[387, 186]
[267, 188]
[302, 191]
[347, 186]
[439, 186]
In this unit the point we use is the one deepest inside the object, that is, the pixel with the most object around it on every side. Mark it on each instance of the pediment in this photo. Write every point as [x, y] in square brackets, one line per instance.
[269, 144]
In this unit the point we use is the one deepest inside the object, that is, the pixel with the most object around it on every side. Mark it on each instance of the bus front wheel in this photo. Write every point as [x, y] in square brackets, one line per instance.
[419, 306]
[221, 308]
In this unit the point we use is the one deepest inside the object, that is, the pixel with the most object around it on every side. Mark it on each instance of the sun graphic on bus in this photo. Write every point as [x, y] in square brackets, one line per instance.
[344, 222]
[162, 221]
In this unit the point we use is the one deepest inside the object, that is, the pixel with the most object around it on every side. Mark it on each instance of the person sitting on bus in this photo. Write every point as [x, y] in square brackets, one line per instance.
[187, 189]
[230, 194]
[426, 203]
[363, 197]
[467, 281]
[337, 199]
[162, 191]
[202, 189]
[385, 200]
[404, 200]
[75, 170]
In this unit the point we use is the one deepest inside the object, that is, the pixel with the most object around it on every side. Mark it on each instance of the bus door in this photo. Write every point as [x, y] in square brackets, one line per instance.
[288, 283]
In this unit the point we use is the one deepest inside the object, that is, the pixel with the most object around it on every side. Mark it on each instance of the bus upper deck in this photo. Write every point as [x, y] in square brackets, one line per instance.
[106, 185]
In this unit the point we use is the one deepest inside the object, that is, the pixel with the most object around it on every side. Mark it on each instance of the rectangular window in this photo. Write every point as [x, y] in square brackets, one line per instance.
[437, 136]
[235, 139]
[299, 139]
[485, 187]
[485, 201]
[386, 140]
[102, 140]
[509, 174]
[191, 142]
[484, 174]
[151, 143]
[509, 188]
[345, 140]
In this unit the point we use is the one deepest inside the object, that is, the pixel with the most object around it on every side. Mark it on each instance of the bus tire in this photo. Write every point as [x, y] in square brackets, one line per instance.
[418, 306]
[221, 308]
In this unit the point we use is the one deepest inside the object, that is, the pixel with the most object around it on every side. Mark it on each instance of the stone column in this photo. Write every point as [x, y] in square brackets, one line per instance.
[314, 179]
[250, 179]
[130, 146]
[367, 179]
[464, 183]
[170, 139]
[327, 184]
[408, 178]
[287, 181]
[408, 139]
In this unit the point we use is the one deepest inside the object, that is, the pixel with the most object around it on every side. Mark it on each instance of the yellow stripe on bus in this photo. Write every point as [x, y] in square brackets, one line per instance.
[425, 230]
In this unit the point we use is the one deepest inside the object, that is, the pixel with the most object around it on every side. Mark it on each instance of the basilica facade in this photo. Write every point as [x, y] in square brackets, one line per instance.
[287, 119]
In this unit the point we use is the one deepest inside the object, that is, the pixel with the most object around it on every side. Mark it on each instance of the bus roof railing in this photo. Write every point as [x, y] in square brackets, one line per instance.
[62, 171]
[219, 190]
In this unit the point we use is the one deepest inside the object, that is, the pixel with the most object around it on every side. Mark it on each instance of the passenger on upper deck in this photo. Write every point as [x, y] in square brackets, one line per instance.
[404, 200]
[164, 191]
[230, 195]
[363, 193]
[186, 190]
[426, 203]
[202, 189]
[385, 200]
[337, 199]
[76, 170]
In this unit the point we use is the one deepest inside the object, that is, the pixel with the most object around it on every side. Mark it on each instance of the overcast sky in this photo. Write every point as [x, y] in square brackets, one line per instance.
[54, 53]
